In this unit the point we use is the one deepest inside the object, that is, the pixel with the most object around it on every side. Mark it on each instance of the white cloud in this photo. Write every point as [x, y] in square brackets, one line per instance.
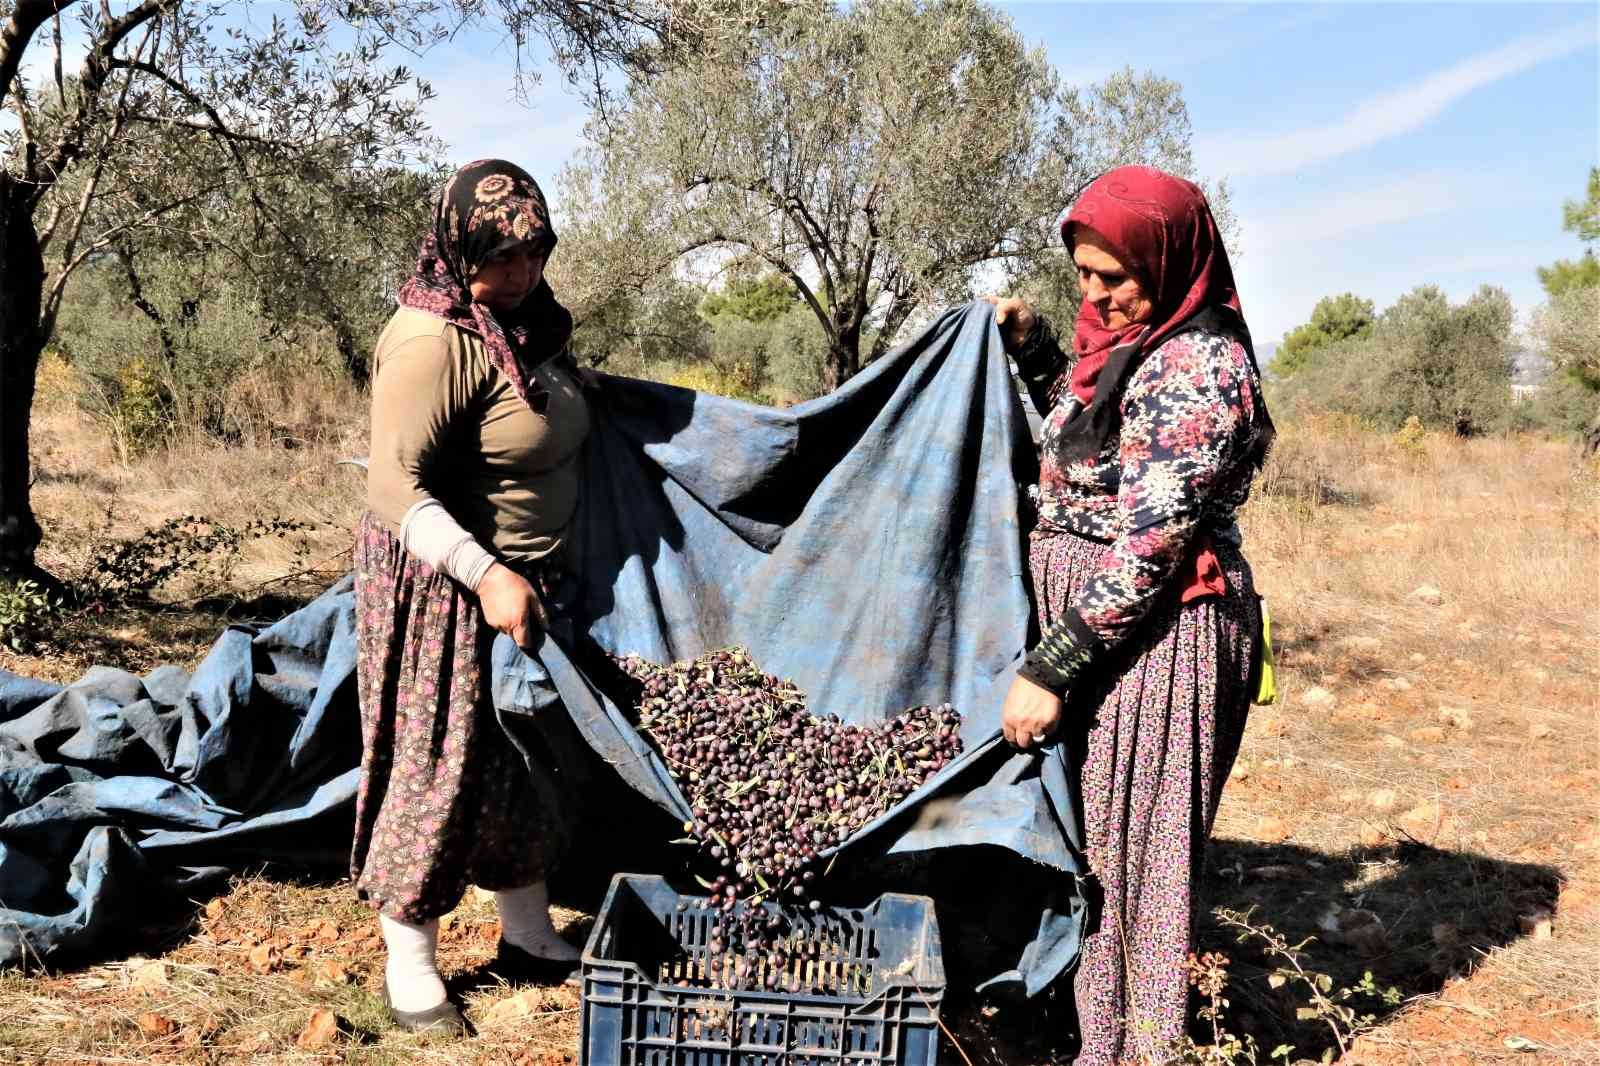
[1246, 152]
[1321, 217]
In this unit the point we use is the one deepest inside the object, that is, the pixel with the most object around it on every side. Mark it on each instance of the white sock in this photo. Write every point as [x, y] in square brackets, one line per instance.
[525, 923]
[412, 972]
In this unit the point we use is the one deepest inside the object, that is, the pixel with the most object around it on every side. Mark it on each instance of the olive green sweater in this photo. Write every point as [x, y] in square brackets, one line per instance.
[446, 424]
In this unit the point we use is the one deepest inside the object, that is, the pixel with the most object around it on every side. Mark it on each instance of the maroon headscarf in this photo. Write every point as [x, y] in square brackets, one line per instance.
[1162, 229]
[486, 207]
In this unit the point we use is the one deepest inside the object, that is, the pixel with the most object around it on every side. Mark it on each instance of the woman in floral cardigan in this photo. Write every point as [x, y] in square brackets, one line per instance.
[1154, 426]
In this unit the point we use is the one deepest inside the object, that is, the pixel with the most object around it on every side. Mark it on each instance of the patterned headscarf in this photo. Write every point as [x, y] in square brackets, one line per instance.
[485, 208]
[1163, 231]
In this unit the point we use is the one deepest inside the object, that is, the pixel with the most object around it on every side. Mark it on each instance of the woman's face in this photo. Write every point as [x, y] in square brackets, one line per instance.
[506, 278]
[1107, 284]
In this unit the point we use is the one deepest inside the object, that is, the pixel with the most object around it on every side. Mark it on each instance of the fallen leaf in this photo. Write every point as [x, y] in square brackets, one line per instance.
[332, 970]
[320, 1031]
[1538, 731]
[1522, 1043]
[1278, 872]
[152, 1024]
[1428, 734]
[513, 1007]
[1455, 718]
[327, 932]
[150, 976]
[214, 909]
[1427, 594]
[264, 958]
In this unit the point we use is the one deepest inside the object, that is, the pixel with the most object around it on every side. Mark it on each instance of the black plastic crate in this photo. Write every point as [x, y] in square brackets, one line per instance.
[647, 1000]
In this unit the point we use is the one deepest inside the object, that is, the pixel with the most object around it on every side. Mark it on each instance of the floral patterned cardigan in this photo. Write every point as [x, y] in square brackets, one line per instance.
[1176, 468]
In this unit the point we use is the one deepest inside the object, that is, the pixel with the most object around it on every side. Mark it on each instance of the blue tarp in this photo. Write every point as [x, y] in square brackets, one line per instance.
[867, 545]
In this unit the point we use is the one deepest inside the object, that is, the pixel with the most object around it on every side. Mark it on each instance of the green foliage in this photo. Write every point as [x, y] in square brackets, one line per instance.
[132, 571]
[1335, 318]
[147, 378]
[1565, 403]
[878, 155]
[1583, 216]
[1568, 329]
[27, 612]
[738, 382]
[758, 299]
[1566, 275]
[1345, 1012]
[1411, 438]
[1448, 365]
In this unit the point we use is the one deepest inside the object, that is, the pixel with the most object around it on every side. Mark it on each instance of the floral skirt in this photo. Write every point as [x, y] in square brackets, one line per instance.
[446, 799]
[1156, 733]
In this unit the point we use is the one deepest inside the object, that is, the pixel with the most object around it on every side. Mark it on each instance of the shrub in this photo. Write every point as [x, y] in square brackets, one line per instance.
[131, 571]
[27, 612]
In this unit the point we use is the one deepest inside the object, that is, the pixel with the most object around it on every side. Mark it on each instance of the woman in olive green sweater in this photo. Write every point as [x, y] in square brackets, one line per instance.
[478, 418]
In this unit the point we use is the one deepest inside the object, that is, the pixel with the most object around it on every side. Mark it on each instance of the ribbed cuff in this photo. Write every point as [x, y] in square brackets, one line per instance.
[1062, 656]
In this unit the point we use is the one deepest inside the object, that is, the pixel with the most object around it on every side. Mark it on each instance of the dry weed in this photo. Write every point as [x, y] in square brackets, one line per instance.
[1427, 782]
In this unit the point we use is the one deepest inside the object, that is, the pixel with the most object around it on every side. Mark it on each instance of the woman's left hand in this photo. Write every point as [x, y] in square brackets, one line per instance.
[1030, 714]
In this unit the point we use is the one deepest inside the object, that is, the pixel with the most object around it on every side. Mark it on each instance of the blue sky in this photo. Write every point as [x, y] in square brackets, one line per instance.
[1370, 147]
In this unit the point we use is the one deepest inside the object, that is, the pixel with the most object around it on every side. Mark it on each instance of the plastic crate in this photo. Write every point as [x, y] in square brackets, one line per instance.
[645, 1003]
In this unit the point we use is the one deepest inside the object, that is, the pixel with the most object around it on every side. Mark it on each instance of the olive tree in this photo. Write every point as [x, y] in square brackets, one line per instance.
[246, 126]
[876, 155]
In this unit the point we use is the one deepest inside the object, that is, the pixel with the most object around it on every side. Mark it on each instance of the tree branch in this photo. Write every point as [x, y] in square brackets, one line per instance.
[55, 40]
[47, 316]
[217, 127]
[91, 79]
[169, 347]
[30, 147]
[145, 219]
[198, 127]
[25, 20]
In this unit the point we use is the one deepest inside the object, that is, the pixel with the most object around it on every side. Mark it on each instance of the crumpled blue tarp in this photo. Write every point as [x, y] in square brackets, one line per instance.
[867, 544]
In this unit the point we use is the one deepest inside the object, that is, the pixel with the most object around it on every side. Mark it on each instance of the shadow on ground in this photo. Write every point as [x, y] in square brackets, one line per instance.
[1409, 914]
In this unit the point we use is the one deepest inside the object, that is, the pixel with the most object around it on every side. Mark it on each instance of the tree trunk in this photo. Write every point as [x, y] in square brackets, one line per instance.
[21, 290]
[843, 360]
[1591, 439]
[355, 361]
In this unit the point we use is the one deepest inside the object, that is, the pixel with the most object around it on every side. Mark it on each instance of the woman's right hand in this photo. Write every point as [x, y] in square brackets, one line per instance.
[1014, 318]
[511, 605]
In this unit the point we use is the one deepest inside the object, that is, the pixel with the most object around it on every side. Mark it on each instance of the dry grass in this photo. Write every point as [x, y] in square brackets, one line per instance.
[1432, 761]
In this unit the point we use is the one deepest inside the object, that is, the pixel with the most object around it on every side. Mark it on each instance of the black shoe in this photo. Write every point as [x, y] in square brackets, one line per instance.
[443, 1019]
[517, 966]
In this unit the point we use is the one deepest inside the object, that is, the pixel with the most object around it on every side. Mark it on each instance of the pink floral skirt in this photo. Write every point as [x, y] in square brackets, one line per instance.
[445, 800]
[1163, 719]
